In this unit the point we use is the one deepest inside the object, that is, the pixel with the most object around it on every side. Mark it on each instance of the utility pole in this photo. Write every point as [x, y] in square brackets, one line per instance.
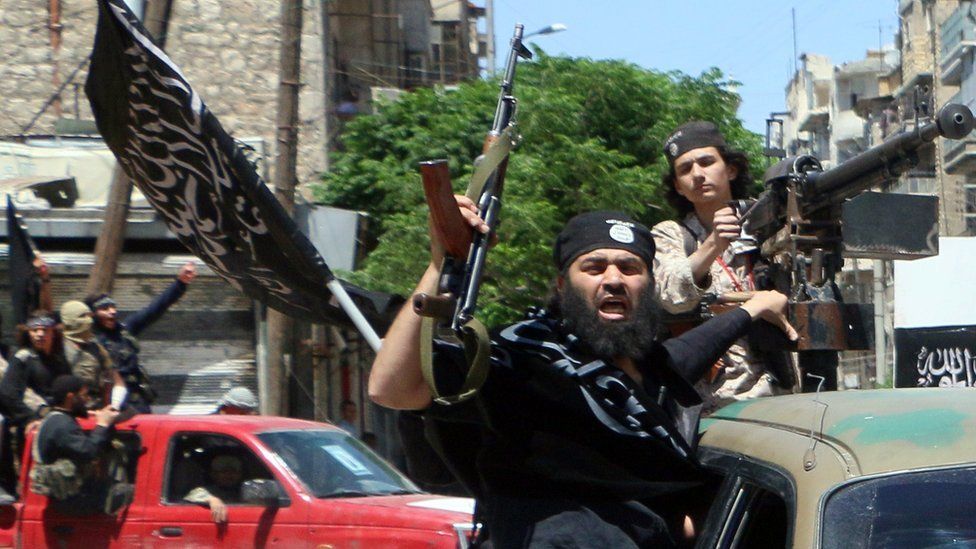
[327, 82]
[54, 31]
[281, 348]
[108, 247]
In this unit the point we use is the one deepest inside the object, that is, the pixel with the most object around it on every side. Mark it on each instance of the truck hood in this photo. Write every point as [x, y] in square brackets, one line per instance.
[416, 511]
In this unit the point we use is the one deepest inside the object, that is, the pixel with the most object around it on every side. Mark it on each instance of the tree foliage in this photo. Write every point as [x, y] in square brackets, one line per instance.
[592, 132]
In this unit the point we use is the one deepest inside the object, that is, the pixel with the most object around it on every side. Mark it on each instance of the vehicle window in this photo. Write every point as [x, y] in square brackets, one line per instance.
[128, 444]
[765, 521]
[334, 464]
[922, 509]
[216, 463]
[754, 518]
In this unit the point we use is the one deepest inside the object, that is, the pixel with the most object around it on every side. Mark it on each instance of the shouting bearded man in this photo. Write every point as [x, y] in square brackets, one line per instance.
[585, 424]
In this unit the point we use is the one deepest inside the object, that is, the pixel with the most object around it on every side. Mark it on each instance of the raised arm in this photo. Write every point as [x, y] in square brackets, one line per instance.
[395, 380]
[140, 320]
[681, 280]
[674, 280]
[45, 301]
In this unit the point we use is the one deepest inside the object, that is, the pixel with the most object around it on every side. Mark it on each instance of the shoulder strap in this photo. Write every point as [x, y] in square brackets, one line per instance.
[688, 239]
[477, 346]
[72, 352]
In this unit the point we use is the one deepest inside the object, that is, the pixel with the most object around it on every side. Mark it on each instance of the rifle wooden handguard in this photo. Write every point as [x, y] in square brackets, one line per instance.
[447, 222]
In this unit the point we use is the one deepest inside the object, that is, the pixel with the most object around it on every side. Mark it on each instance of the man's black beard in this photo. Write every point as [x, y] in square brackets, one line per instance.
[79, 409]
[631, 338]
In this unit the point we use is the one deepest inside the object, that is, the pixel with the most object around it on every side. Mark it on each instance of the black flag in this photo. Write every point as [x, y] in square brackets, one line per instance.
[199, 180]
[24, 284]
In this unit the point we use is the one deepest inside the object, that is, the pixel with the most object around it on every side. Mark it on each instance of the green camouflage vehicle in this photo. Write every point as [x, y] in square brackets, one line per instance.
[852, 469]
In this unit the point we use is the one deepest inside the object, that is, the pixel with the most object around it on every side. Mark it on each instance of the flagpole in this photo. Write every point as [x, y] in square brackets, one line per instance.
[354, 314]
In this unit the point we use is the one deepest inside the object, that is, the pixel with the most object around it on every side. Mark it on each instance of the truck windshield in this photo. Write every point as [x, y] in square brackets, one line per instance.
[332, 464]
[909, 510]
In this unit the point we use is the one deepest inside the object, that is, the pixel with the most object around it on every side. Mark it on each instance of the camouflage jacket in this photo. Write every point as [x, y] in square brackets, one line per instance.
[738, 373]
[674, 283]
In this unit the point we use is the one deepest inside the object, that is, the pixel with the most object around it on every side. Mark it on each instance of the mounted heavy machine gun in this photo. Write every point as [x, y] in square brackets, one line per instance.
[808, 219]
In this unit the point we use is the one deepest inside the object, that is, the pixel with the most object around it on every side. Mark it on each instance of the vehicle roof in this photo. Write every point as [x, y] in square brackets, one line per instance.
[880, 430]
[249, 423]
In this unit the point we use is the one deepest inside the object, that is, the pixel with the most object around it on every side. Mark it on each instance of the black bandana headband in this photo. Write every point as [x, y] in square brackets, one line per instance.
[602, 229]
[690, 136]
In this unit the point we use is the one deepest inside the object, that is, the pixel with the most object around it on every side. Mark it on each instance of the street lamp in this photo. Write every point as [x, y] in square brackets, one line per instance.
[553, 28]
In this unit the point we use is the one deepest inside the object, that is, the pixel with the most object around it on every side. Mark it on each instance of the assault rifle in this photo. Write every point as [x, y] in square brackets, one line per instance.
[798, 222]
[450, 313]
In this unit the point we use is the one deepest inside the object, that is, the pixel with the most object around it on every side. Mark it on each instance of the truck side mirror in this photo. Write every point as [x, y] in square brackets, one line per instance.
[265, 492]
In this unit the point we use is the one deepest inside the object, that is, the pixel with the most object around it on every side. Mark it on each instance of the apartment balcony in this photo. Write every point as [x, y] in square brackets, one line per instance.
[815, 120]
[958, 40]
[915, 184]
[846, 126]
[960, 155]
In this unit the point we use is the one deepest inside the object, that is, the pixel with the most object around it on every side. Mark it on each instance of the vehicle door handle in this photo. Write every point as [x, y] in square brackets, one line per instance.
[170, 532]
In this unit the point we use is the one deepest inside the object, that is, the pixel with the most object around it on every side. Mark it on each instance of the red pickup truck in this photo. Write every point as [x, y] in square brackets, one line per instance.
[305, 484]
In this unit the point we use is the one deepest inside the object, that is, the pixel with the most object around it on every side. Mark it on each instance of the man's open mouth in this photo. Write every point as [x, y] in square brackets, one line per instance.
[613, 308]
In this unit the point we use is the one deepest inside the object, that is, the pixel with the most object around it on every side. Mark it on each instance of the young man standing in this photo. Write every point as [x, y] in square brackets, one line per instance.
[119, 336]
[700, 254]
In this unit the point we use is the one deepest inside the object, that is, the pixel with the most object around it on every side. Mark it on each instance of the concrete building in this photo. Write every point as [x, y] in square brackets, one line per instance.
[880, 96]
[957, 67]
[459, 49]
[805, 128]
[822, 103]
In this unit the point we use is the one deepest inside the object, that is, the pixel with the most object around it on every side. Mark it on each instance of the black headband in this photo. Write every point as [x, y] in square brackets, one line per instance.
[603, 229]
[690, 136]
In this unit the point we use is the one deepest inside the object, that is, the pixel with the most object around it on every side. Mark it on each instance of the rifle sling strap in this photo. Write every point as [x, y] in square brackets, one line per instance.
[490, 161]
[477, 348]
[474, 335]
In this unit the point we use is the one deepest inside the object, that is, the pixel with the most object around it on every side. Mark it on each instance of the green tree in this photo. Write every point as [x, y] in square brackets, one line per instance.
[592, 132]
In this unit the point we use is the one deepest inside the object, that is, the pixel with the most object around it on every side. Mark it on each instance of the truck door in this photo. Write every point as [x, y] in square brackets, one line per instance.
[203, 465]
[49, 524]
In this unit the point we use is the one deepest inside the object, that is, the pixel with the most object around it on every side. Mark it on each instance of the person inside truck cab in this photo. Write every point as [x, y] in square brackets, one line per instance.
[226, 473]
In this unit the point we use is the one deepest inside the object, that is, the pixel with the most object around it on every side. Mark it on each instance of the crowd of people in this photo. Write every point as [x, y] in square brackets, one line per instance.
[67, 363]
[584, 433]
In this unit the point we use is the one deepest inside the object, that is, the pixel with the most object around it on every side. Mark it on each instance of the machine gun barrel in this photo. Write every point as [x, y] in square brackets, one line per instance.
[885, 161]
[816, 189]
